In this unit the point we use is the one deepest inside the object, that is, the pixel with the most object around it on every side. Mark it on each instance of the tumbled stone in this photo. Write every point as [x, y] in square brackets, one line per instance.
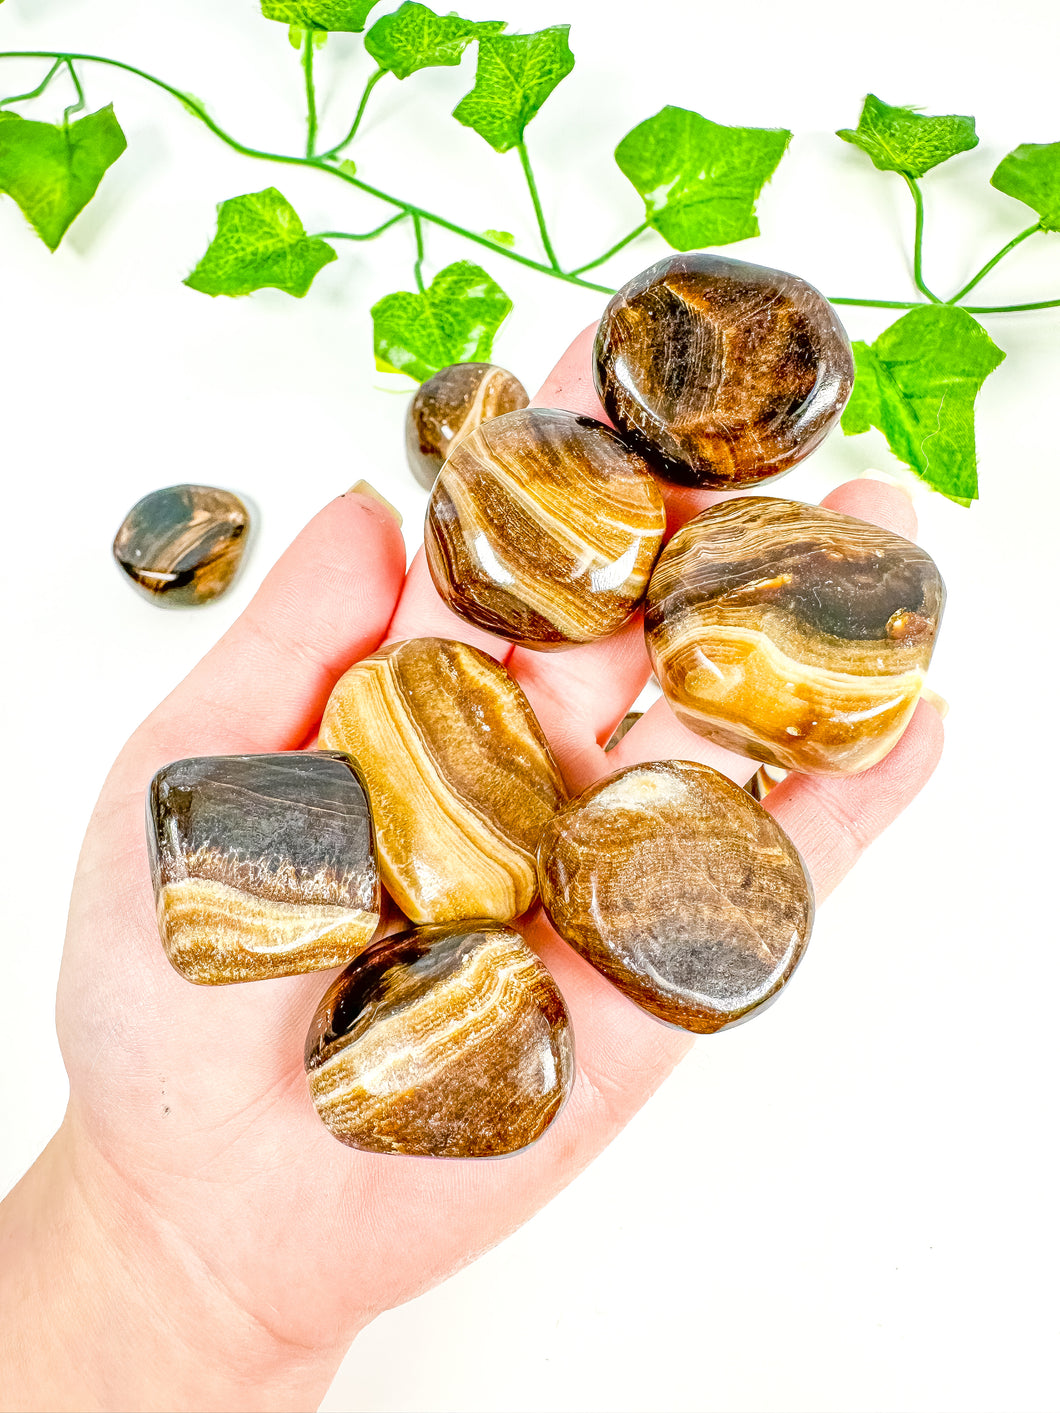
[721, 373]
[262, 865]
[442, 1042]
[543, 527]
[459, 773]
[679, 888]
[795, 635]
[183, 544]
[452, 404]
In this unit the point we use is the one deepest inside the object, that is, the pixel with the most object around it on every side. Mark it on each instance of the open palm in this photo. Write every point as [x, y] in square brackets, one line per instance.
[189, 1107]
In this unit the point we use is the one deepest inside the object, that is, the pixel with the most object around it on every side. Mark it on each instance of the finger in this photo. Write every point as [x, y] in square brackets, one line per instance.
[878, 503]
[570, 385]
[833, 819]
[325, 603]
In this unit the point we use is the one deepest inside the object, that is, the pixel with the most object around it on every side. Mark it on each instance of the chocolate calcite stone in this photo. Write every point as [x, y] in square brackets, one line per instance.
[543, 527]
[183, 544]
[443, 1042]
[795, 635]
[721, 373]
[460, 775]
[679, 887]
[262, 865]
[449, 406]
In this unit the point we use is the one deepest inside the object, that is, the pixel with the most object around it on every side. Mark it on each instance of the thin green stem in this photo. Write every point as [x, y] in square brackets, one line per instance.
[918, 241]
[524, 157]
[409, 208]
[334, 151]
[310, 94]
[362, 235]
[1016, 240]
[417, 269]
[34, 92]
[1008, 308]
[74, 107]
[879, 303]
[618, 245]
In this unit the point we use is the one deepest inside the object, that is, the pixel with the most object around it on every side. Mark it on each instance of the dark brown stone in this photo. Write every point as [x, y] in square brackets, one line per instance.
[451, 404]
[721, 373]
[679, 887]
[183, 545]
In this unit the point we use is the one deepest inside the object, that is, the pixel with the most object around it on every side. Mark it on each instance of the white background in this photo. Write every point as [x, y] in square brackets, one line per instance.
[850, 1204]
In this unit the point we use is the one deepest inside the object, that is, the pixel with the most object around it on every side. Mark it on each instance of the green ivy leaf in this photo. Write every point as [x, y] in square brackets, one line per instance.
[699, 180]
[516, 73]
[53, 172]
[453, 321]
[918, 384]
[903, 140]
[1032, 175]
[500, 237]
[260, 244]
[414, 38]
[347, 16]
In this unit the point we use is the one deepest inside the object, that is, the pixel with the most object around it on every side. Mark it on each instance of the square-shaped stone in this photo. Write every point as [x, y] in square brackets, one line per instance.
[262, 865]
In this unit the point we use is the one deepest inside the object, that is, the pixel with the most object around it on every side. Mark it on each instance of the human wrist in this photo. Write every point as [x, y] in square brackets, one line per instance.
[108, 1307]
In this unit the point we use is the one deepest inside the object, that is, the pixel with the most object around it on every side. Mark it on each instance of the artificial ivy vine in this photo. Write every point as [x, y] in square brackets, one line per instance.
[699, 182]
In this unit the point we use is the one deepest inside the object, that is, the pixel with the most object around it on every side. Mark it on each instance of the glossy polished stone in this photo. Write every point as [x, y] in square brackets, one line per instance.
[460, 775]
[679, 887]
[543, 527]
[183, 544]
[452, 404]
[262, 865]
[721, 373]
[443, 1042]
[795, 635]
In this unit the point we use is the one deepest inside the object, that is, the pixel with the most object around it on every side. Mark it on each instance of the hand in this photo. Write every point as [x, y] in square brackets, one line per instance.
[193, 1236]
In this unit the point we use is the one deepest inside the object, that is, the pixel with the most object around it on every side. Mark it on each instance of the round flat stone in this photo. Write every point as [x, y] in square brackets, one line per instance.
[795, 635]
[444, 1042]
[543, 527]
[449, 406]
[721, 373]
[459, 773]
[679, 888]
[182, 545]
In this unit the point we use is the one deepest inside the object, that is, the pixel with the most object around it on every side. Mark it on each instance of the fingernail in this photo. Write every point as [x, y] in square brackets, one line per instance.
[365, 488]
[940, 704]
[873, 475]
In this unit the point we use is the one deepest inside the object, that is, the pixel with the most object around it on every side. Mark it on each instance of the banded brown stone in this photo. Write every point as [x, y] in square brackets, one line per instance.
[543, 527]
[795, 635]
[262, 865]
[460, 775]
[446, 1042]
